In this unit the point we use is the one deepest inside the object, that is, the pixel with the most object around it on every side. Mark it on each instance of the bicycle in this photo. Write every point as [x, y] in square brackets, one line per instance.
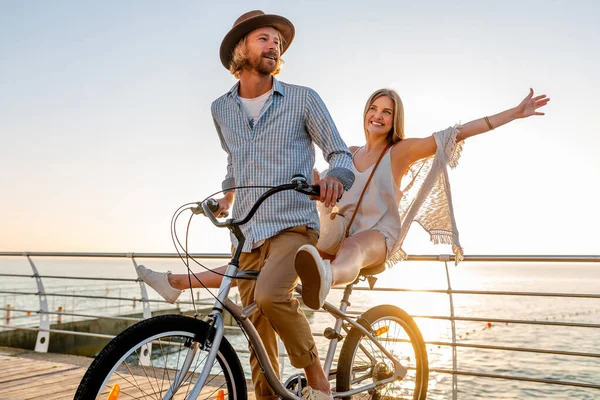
[174, 356]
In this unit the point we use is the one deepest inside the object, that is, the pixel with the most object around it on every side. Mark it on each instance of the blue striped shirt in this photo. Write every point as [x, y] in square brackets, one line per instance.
[277, 147]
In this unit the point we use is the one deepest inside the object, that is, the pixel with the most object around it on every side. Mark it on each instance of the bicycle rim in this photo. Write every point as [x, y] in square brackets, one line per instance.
[152, 361]
[166, 354]
[365, 363]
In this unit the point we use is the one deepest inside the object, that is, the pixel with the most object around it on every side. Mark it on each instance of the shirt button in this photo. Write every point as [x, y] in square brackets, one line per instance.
[251, 183]
[251, 162]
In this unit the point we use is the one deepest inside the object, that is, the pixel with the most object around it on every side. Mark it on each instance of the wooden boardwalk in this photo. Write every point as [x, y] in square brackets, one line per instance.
[28, 375]
[25, 375]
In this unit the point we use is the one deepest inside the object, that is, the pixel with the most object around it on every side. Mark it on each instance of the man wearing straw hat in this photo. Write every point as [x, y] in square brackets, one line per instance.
[268, 128]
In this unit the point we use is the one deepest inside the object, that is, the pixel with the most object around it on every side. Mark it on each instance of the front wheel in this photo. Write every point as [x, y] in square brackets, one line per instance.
[162, 355]
[361, 362]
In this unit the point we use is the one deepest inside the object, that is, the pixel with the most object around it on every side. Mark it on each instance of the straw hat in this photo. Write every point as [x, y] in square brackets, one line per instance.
[247, 23]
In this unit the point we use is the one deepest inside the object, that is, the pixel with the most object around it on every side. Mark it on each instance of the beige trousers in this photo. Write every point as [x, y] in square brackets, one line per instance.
[279, 312]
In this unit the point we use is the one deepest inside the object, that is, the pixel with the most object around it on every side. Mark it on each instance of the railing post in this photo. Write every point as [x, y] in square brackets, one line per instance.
[7, 313]
[43, 336]
[147, 313]
[453, 324]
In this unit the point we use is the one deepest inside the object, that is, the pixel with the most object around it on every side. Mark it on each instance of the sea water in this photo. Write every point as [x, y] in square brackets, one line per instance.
[579, 278]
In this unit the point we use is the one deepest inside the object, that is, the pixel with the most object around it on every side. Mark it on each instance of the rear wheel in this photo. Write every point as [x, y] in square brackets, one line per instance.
[361, 362]
[159, 354]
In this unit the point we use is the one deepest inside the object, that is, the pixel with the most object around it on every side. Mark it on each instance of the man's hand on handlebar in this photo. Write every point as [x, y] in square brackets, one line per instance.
[224, 205]
[331, 189]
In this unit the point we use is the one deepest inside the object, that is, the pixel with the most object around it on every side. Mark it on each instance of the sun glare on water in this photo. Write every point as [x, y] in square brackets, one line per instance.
[420, 289]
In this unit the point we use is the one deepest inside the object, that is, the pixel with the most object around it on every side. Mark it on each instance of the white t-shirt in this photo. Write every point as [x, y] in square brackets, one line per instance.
[253, 106]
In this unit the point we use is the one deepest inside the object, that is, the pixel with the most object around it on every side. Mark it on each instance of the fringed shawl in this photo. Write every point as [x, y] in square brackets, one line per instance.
[427, 198]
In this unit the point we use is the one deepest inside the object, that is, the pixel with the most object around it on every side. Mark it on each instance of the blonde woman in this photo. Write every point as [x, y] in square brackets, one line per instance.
[387, 210]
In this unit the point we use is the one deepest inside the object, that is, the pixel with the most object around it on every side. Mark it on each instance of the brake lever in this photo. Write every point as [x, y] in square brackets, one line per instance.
[213, 205]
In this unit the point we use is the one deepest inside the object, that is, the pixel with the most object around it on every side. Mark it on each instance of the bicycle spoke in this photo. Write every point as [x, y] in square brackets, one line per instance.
[165, 369]
[152, 365]
[136, 384]
[191, 374]
[132, 384]
[208, 381]
[136, 352]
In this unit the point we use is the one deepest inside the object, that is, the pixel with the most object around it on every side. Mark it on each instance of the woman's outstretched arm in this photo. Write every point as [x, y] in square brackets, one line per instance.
[413, 149]
[526, 108]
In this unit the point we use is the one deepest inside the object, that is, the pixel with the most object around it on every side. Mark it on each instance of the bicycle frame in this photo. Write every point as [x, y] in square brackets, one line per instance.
[241, 316]
[223, 302]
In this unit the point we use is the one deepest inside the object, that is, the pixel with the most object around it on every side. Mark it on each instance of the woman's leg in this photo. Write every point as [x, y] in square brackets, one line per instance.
[170, 286]
[208, 278]
[365, 249]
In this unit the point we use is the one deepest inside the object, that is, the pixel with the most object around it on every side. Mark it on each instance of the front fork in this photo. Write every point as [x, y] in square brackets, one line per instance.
[215, 320]
[179, 378]
[216, 333]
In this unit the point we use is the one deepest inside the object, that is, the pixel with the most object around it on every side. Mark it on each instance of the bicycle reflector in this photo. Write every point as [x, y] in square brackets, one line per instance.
[220, 395]
[382, 330]
[114, 392]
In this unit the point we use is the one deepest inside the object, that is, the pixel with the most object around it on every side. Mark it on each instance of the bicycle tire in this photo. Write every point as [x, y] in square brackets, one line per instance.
[170, 335]
[410, 348]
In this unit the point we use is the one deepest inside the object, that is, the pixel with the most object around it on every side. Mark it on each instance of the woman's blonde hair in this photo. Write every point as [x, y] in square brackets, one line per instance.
[396, 134]
[240, 58]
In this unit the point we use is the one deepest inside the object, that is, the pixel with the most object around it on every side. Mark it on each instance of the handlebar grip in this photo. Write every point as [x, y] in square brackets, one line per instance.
[310, 190]
[213, 206]
[314, 190]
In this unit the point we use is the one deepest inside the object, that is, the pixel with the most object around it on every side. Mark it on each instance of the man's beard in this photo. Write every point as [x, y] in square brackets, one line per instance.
[261, 65]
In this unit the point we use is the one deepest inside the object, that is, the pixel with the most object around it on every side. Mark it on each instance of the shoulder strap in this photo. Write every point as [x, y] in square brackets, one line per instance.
[356, 151]
[365, 189]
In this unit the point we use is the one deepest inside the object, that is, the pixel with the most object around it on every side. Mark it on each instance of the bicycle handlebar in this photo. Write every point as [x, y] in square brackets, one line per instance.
[299, 184]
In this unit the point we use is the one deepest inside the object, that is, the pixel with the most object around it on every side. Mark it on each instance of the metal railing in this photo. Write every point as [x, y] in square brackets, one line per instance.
[44, 330]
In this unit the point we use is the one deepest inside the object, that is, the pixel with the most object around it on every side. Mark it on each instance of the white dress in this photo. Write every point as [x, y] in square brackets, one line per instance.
[379, 207]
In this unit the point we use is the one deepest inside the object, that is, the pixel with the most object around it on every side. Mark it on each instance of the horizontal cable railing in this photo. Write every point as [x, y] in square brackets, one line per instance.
[43, 328]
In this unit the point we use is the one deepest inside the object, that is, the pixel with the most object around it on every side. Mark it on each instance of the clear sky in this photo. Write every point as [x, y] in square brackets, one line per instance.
[105, 125]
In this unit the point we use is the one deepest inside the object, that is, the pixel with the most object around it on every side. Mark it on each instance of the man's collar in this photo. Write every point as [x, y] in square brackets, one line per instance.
[234, 90]
[277, 88]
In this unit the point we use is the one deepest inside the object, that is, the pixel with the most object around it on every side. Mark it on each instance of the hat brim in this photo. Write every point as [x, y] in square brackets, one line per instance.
[238, 32]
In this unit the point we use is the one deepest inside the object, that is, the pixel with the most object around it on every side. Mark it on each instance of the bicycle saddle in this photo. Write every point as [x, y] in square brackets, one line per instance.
[372, 270]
